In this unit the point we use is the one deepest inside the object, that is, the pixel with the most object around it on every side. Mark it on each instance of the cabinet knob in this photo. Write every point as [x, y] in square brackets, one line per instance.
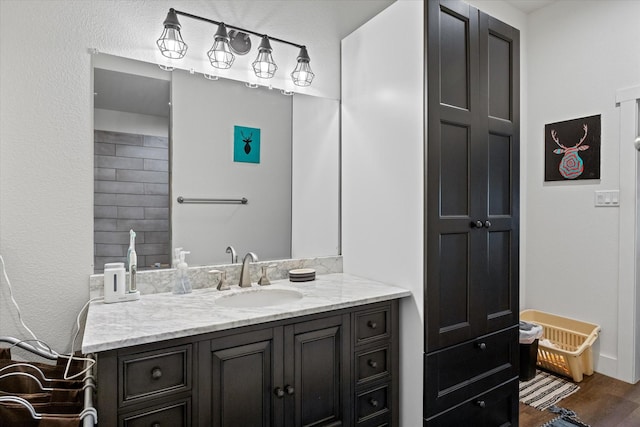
[156, 373]
[372, 363]
[476, 224]
[487, 224]
[155, 425]
[481, 403]
[373, 402]
[279, 392]
[481, 346]
[372, 324]
[289, 389]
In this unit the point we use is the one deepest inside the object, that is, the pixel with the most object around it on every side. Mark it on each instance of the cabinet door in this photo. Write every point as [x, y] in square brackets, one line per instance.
[316, 368]
[472, 174]
[237, 380]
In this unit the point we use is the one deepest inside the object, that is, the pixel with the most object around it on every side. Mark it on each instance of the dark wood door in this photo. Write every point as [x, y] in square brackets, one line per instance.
[239, 384]
[316, 359]
[472, 174]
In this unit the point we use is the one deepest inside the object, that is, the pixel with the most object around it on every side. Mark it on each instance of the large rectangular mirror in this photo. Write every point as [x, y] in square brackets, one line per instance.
[165, 136]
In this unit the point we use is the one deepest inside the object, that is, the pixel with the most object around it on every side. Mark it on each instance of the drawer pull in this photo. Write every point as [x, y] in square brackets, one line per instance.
[481, 403]
[481, 346]
[155, 425]
[156, 373]
[373, 402]
[279, 392]
[290, 390]
[372, 363]
[372, 324]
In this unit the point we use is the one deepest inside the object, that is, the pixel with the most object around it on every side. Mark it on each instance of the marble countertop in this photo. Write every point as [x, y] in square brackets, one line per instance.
[164, 316]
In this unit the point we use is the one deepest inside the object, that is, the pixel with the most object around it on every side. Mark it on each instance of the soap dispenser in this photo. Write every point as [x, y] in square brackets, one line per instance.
[182, 283]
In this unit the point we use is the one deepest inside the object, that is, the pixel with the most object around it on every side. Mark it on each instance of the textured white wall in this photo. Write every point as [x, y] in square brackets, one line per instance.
[383, 174]
[46, 132]
[315, 190]
[203, 167]
[119, 121]
[579, 54]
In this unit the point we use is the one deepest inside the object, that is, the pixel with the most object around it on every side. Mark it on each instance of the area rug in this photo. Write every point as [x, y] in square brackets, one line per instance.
[545, 390]
[567, 418]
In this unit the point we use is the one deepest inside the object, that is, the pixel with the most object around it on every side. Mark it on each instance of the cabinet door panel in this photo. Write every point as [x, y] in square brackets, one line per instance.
[499, 77]
[454, 178]
[500, 166]
[499, 59]
[472, 159]
[454, 57]
[314, 372]
[241, 380]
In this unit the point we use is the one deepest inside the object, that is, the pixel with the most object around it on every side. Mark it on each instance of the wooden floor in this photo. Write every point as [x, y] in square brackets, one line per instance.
[601, 402]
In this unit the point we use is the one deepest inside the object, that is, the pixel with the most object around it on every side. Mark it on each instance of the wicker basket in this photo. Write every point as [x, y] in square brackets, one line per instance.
[571, 353]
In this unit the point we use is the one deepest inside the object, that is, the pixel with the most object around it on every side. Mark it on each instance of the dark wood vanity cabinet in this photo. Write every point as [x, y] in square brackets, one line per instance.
[472, 218]
[283, 376]
[338, 368]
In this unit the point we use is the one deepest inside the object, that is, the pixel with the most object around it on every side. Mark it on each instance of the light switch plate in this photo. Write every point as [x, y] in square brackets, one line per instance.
[607, 198]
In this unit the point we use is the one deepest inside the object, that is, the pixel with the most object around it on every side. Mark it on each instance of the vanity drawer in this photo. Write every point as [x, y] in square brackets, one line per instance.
[372, 403]
[155, 374]
[457, 373]
[175, 414]
[372, 325]
[372, 364]
[497, 407]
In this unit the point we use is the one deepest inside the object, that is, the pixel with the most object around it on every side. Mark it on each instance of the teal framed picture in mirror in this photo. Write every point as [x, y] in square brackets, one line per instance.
[246, 144]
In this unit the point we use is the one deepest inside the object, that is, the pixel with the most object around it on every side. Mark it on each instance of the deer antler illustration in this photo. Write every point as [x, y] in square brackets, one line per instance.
[571, 165]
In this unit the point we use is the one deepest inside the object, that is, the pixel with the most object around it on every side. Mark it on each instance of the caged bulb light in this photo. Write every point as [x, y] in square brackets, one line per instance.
[170, 42]
[220, 54]
[302, 74]
[264, 66]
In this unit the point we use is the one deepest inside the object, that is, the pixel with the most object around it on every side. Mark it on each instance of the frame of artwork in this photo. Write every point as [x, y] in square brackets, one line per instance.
[246, 144]
[572, 149]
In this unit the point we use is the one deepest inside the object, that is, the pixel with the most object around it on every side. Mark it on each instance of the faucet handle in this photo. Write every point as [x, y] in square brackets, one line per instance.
[264, 280]
[223, 285]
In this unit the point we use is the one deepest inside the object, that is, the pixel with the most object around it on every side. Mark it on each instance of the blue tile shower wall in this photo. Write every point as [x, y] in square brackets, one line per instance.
[131, 190]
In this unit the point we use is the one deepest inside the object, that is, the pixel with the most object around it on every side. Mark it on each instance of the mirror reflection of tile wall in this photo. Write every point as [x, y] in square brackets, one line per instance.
[131, 191]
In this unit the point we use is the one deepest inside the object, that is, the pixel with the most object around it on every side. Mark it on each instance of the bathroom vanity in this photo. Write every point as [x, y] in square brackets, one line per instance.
[327, 355]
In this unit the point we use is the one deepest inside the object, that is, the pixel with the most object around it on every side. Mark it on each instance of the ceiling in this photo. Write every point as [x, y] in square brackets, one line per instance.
[528, 6]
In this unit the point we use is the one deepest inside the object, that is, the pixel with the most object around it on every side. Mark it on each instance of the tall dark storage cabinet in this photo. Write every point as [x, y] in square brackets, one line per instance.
[472, 203]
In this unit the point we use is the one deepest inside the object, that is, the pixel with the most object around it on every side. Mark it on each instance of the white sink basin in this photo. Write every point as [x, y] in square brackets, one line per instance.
[259, 298]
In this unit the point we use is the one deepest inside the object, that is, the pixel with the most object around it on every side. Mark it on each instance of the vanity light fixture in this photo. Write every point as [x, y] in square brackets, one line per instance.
[264, 65]
[302, 75]
[221, 55]
[170, 42]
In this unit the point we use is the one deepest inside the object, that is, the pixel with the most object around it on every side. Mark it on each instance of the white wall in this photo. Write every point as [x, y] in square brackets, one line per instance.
[579, 54]
[383, 174]
[316, 167]
[204, 114]
[46, 134]
[119, 121]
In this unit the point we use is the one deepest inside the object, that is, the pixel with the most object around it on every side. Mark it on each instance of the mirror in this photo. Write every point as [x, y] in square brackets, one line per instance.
[161, 136]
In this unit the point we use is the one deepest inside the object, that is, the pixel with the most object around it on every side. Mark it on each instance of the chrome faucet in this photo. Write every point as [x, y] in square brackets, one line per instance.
[234, 256]
[245, 273]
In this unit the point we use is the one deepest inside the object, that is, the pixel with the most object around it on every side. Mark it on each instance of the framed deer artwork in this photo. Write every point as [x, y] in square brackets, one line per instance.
[572, 149]
[246, 144]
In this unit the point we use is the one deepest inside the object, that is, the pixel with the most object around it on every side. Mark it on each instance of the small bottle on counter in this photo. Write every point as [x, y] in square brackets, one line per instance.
[182, 283]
